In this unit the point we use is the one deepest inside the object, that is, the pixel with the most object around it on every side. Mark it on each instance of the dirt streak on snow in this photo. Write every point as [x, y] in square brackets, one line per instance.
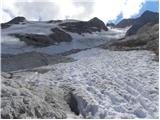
[124, 84]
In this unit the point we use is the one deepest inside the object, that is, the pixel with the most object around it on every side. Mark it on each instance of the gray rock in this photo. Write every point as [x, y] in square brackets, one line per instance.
[34, 39]
[146, 17]
[39, 40]
[60, 36]
[125, 23]
[80, 27]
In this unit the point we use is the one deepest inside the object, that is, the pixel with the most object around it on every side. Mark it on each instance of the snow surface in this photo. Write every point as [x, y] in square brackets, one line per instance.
[124, 84]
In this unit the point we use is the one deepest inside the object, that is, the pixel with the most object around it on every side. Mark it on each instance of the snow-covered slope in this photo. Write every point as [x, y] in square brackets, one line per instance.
[98, 83]
[109, 84]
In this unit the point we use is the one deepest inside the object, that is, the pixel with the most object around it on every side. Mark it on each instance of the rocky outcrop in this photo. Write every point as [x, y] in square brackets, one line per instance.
[137, 23]
[54, 21]
[40, 40]
[80, 27]
[147, 38]
[110, 25]
[36, 40]
[16, 20]
[146, 17]
[95, 22]
[60, 36]
[30, 60]
[125, 23]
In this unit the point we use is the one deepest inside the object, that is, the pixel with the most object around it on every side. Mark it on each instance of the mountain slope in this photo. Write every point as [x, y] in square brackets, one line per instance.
[147, 38]
[146, 17]
[125, 23]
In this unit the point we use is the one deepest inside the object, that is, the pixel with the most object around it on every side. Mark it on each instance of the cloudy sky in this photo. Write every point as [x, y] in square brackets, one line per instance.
[106, 10]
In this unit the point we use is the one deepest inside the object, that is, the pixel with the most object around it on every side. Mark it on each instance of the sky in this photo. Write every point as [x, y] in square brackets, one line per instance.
[106, 10]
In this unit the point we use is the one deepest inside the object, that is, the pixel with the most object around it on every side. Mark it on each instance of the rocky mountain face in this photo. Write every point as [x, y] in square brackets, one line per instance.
[110, 25]
[136, 23]
[90, 26]
[143, 34]
[16, 20]
[146, 38]
[146, 17]
[125, 23]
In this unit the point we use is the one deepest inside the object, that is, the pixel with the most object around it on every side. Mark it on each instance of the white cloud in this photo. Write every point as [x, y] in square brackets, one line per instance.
[131, 7]
[75, 9]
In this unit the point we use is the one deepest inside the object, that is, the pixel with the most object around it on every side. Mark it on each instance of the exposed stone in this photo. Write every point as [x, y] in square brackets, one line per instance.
[39, 40]
[34, 39]
[15, 20]
[125, 23]
[60, 36]
[80, 27]
[147, 38]
[146, 17]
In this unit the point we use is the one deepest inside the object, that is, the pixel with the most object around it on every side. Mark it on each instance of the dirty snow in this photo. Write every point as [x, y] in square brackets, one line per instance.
[124, 84]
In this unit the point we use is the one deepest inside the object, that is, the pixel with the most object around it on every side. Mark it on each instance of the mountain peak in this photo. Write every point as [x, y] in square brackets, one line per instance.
[17, 20]
[148, 13]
